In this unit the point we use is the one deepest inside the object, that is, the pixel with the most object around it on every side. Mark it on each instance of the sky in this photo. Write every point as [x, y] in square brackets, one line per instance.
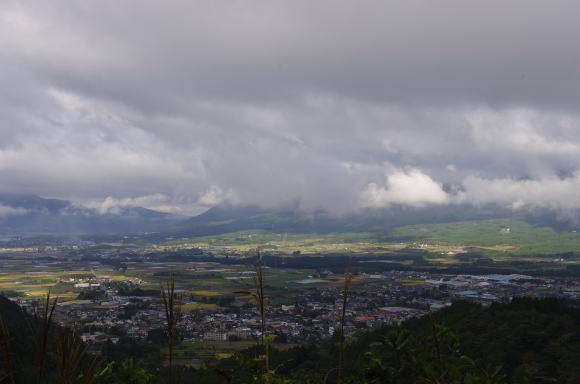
[327, 104]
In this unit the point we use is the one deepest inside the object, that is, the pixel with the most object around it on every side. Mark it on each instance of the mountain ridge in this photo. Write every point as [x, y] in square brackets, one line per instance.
[230, 218]
[28, 213]
[31, 214]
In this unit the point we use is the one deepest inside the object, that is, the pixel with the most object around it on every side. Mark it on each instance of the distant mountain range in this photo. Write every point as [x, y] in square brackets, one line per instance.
[31, 214]
[228, 218]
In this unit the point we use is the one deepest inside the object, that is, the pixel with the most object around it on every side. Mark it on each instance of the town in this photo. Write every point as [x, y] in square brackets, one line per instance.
[119, 296]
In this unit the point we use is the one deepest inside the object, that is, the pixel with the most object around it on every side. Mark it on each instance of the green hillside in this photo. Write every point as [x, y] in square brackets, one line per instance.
[524, 237]
[227, 219]
[494, 237]
[507, 232]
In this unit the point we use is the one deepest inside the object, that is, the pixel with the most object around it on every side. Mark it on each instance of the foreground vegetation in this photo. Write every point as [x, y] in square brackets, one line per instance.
[526, 341]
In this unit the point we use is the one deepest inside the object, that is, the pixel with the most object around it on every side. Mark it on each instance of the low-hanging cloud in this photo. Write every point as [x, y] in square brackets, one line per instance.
[551, 192]
[332, 104]
[412, 188]
[114, 206]
[11, 211]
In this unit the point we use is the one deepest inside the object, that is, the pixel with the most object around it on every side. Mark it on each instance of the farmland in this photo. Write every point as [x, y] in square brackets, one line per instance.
[114, 288]
[497, 239]
[207, 281]
[29, 272]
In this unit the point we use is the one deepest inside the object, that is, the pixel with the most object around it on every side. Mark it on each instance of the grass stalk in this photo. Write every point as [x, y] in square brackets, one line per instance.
[43, 319]
[91, 370]
[345, 291]
[70, 352]
[259, 296]
[261, 299]
[172, 304]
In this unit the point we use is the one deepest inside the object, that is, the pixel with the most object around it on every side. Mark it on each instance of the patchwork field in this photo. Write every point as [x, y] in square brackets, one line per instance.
[26, 272]
[203, 283]
[499, 239]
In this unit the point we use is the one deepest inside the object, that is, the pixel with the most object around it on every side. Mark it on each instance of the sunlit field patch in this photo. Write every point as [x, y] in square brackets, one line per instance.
[191, 307]
[205, 293]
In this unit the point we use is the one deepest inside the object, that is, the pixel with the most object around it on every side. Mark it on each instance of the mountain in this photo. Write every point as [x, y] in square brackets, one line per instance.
[230, 218]
[30, 214]
[33, 215]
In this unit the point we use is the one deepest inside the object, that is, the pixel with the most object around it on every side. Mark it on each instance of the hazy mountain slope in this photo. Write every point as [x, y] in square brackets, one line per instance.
[227, 218]
[30, 214]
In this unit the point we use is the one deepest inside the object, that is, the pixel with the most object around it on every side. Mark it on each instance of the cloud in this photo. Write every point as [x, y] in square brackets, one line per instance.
[215, 196]
[412, 188]
[10, 211]
[113, 206]
[286, 102]
[559, 194]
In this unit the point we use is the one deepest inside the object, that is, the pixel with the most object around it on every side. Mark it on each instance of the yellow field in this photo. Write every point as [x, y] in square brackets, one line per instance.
[205, 293]
[198, 306]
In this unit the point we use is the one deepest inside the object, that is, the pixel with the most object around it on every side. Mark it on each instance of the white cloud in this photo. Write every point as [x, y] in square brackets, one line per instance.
[10, 211]
[214, 195]
[413, 188]
[111, 205]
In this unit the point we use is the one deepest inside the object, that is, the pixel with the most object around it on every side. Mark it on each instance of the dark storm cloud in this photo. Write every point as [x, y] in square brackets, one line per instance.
[335, 104]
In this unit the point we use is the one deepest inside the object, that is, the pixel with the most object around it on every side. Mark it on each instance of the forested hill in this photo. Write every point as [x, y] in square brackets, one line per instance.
[10, 312]
[536, 338]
